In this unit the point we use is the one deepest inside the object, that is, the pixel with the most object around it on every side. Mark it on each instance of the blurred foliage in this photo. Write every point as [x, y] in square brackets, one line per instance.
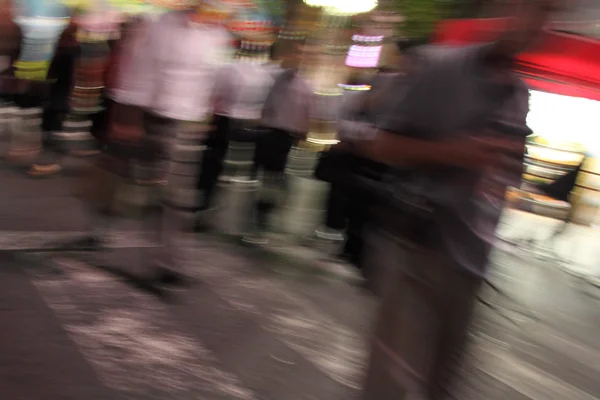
[275, 9]
[422, 16]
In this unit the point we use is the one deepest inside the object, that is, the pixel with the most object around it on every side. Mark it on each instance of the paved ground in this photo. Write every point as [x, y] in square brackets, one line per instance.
[81, 326]
[255, 326]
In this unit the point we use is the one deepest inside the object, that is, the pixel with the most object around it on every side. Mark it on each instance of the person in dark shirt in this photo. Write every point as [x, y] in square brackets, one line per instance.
[354, 187]
[432, 237]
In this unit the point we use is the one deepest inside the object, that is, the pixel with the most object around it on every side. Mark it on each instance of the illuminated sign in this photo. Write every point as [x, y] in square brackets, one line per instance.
[363, 56]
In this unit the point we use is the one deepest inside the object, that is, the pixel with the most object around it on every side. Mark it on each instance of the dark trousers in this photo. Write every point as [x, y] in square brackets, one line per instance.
[349, 202]
[426, 308]
[213, 161]
[56, 109]
[100, 122]
[270, 158]
[178, 207]
[348, 209]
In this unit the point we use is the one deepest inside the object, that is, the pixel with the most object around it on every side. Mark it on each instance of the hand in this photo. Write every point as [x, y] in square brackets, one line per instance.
[463, 152]
[476, 153]
[355, 131]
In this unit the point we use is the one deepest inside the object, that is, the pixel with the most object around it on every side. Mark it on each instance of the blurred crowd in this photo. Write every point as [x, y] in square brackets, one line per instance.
[417, 174]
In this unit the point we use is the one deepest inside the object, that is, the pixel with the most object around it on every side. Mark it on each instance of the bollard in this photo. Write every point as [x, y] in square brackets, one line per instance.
[235, 214]
[180, 193]
[302, 213]
[86, 95]
[238, 161]
[8, 113]
[329, 241]
[76, 139]
[26, 139]
[238, 189]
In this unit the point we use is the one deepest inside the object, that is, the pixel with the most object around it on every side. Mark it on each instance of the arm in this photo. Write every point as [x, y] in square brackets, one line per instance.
[221, 96]
[132, 78]
[513, 124]
[395, 143]
[401, 151]
[397, 150]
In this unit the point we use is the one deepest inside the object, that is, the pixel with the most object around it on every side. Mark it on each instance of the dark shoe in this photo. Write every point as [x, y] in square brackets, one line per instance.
[90, 243]
[172, 280]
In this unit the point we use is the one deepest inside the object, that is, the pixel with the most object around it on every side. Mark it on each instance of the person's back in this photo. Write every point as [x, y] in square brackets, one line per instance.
[185, 60]
[288, 105]
[172, 69]
[246, 87]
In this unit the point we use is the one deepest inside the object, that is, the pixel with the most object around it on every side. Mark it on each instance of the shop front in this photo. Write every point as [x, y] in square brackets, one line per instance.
[559, 196]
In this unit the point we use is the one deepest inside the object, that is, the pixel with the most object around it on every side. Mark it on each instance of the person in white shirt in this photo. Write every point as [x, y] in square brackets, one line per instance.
[240, 92]
[167, 87]
[285, 118]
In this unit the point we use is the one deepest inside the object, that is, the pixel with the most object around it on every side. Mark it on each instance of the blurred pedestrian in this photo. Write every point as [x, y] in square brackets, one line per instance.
[285, 118]
[61, 73]
[164, 86]
[239, 96]
[10, 38]
[431, 239]
[349, 175]
[353, 178]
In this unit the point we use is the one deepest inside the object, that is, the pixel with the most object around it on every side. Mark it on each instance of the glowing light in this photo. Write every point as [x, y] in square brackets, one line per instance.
[326, 142]
[360, 88]
[563, 120]
[367, 39]
[363, 56]
[343, 7]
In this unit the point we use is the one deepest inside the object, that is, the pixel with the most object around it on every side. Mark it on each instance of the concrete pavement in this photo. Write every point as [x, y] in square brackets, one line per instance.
[250, 329]
[255, 326]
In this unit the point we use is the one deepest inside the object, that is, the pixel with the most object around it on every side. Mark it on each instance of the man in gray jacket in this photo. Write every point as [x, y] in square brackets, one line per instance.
[458, 127]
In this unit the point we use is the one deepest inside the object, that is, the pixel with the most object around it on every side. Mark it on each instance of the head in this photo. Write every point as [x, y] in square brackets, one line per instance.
[404, 60]
[525, 23]
[289, 55]
[405, 45]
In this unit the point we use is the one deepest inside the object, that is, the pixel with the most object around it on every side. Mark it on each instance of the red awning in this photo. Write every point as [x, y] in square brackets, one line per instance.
[561, 63]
